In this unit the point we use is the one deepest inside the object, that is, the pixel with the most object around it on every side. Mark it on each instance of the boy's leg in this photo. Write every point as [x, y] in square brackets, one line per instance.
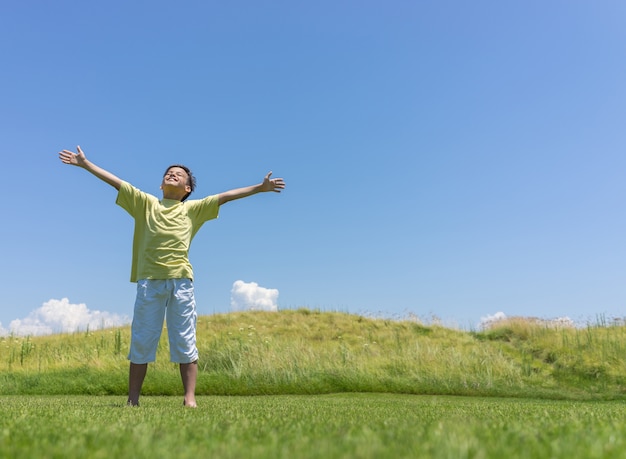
[189, 375]
[146, 328]
[136, 375]
[181, 328]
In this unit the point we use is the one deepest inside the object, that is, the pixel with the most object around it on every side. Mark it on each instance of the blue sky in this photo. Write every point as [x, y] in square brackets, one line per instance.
[451, 159]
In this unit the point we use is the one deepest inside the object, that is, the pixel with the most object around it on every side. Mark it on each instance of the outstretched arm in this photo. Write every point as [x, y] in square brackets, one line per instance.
[269, 184]
[79, 159]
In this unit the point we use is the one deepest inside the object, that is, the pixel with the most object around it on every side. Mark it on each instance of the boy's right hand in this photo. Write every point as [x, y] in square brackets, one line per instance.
[78, 159]
[74, 159]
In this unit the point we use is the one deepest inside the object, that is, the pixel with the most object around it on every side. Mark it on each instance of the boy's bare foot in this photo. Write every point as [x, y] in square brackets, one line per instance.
[190, 404]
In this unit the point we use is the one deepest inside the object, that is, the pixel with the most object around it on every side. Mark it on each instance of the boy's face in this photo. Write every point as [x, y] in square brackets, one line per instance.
[176, 179]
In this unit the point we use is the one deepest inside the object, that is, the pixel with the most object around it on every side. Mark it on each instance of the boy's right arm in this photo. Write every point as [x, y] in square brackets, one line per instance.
[79, 159]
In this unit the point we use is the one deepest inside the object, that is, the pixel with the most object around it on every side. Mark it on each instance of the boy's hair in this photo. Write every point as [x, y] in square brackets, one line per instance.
[191, 181]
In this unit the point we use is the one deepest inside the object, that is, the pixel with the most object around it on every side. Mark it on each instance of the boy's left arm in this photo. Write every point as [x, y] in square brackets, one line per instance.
[269, 184]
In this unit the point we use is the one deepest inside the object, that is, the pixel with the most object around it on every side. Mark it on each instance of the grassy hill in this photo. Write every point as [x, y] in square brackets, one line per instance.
[312, 352]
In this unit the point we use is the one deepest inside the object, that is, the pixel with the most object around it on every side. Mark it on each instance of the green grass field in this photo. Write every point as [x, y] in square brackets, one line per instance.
[321, 426]
[311, 384]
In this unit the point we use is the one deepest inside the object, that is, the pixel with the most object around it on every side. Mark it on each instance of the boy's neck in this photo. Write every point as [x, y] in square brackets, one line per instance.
[172, 196]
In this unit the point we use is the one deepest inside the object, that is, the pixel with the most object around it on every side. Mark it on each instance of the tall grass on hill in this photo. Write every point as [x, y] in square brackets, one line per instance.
[312, 352]
[591, 357]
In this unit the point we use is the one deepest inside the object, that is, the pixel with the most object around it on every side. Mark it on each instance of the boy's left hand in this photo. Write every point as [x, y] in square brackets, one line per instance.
[270, 184]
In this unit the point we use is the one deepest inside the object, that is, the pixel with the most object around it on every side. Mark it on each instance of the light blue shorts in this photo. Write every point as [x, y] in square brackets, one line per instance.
[174, 301]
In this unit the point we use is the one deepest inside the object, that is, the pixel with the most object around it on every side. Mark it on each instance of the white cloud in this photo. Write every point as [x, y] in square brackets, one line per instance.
[251, 297]
[489, 320]
[60, 316]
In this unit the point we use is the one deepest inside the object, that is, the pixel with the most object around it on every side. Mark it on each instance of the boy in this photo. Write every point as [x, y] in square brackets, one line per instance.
[160, 265]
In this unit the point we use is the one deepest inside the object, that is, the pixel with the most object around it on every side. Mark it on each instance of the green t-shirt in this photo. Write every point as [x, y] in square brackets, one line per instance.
[163, 232]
